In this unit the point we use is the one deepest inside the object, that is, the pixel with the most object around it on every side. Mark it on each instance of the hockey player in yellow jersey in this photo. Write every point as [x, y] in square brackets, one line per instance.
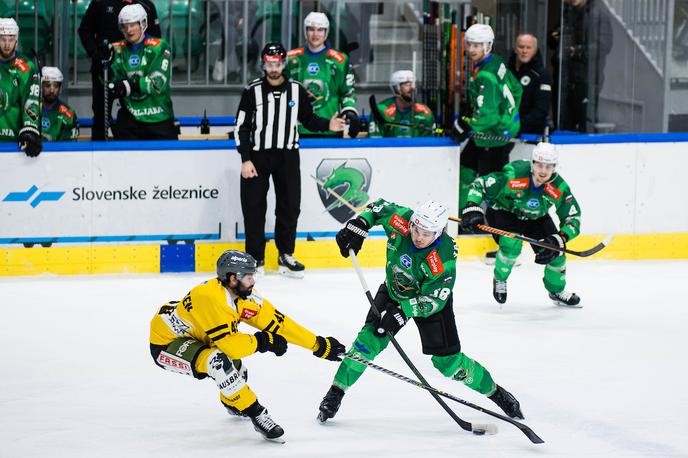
[199, 336]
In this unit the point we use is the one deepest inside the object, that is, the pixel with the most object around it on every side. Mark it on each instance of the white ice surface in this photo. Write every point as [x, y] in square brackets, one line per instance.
[77, 380]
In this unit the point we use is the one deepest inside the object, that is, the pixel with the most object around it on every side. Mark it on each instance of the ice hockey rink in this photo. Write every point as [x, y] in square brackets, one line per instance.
[77, 379]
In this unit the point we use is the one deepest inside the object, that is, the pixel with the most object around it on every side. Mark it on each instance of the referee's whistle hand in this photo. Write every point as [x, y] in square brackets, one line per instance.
[248, 170]
[337, 124]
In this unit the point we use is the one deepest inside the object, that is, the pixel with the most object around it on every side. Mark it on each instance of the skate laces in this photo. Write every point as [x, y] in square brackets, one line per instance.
[564, 295]
[500, 286]
[265, 421]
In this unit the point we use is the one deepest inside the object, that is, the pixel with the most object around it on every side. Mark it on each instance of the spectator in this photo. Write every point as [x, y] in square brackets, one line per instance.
[98, 26]
[19, 84]
[401, 109]
[58, 122]
[495, 97]
[326, 73]
[268, 141]
[141, 80]
[583, 42]
[526, 64]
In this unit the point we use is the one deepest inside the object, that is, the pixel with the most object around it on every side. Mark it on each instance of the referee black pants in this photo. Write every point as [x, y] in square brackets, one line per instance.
[285, 168]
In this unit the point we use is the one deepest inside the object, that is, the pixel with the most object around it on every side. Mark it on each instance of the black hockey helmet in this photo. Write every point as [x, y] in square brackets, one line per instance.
[273, 52]
[235, 262]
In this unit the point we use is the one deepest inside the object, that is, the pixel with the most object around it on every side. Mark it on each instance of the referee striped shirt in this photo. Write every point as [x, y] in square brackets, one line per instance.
[268, 117]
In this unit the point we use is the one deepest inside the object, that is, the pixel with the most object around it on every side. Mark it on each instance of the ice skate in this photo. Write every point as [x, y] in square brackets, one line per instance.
[264, 424]
[330, 404]
[566, 299]
[507, 402]
[289, 266]
[499, 290]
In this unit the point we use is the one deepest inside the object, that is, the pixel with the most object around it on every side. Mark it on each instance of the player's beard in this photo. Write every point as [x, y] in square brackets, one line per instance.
[274, 75]
[242, 292]
[407, 98]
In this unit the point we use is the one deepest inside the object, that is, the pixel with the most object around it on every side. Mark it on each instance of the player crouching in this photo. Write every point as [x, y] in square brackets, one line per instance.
[199, 336]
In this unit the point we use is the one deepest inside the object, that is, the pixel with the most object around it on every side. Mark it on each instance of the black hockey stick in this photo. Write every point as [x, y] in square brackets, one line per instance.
[467, 426]
[105, 63]
[39, 65]
[530, 434]
[581, 254]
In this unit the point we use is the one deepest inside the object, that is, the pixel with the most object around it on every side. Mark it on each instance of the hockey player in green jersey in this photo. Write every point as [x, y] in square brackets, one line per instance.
[326, 74]
[401, 109]
[420, 275]
[495, 97]
[141, 69]
[58, 121]
[19, 89]
[519, 198]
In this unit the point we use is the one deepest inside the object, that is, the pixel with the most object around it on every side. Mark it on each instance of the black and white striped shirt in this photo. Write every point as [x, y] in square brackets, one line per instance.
[268, 117]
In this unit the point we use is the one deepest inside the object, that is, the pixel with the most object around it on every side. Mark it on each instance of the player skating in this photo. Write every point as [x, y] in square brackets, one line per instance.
[420, 276]
[520, 197]
[199, 336]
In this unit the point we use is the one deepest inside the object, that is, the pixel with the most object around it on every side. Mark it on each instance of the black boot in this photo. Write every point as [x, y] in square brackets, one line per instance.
[499, 290]
[507, 402]
[330, 404]
[264, 424]
[289, 266]
[566, 299]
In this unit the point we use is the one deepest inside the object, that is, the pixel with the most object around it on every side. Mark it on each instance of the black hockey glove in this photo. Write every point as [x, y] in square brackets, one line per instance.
[267, 341]
[352, 236]
[391, 320]
[471, 216]
[462, 130]
[353, 121]
[30, 142]
[545, 256]
[123, 88]
[329, 348]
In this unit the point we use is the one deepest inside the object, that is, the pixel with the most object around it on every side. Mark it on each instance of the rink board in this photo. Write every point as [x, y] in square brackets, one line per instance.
[173, 206]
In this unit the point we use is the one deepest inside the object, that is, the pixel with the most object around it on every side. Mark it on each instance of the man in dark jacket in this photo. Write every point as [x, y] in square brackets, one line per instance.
[526, 64]
[98, 25]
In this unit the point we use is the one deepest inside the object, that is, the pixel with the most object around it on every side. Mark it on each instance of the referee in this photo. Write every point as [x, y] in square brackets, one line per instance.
[267, 139]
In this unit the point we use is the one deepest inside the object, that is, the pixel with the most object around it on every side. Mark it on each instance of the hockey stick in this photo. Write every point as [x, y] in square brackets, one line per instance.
[106, 96]
[530, 434]
[39, 65]
[581, 254]
[467, 426]
[490, 229]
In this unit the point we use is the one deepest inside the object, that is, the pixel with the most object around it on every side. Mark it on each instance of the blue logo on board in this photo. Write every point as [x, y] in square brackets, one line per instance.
[26, 196]
[313, 68]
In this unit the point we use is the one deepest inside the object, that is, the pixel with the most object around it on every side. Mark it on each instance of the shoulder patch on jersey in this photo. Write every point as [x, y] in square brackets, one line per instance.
[21, 64]
[391, 110]
[399, 223]
[519, 183]
[152, 41]
[553, 191]
[420, 108]
[247, 313]
[295, 52]
[568, 198]
[435, 263]
[66, 111]
[339, 57]
[119, 43]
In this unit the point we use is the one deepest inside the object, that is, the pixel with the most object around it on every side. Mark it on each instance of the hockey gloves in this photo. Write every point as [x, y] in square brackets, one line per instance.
[391, 320]
[545, 256]
[471, 216]
[329, 348]
[462, 130]
[353, 121]
[30, 142]
[352, 236]
[123, 88]
[267, 341]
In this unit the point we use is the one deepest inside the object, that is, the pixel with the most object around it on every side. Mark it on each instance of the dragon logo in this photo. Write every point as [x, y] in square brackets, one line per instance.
[349, 178]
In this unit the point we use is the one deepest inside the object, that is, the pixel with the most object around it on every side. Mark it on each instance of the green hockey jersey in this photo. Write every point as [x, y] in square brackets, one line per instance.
[420, 280]
[59, 123]
[149, 62]
[328, 77]
[495, 99]
[419, 119]
[19, 97]
[512, 190]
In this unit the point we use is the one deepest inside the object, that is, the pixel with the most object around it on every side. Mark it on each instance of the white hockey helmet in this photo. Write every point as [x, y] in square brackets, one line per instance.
[52, 74]
[480, 33]
[431, 216]
[8, 26]
[133, 13]
[399, 77]
[317, 20]
[545, 153]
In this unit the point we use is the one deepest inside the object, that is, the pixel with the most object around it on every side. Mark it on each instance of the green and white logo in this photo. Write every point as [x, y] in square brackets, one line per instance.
[349, 178]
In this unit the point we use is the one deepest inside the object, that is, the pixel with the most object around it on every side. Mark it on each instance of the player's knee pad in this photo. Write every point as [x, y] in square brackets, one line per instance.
[179, 356]
[226, 376]
[464, 369]
[509, 247]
